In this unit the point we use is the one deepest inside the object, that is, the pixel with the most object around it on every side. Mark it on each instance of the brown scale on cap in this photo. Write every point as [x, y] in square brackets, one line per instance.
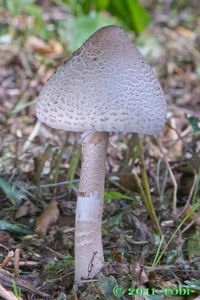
[105, 86]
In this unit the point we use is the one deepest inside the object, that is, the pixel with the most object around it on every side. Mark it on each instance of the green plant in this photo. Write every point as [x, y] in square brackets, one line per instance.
[16, 291]
[143, 187]
[78, 29]
[16, 7]
[159, 253]
[28, 7]
[130, 12]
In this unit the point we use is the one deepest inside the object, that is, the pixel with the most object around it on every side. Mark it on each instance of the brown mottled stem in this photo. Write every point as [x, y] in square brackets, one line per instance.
[89, 257]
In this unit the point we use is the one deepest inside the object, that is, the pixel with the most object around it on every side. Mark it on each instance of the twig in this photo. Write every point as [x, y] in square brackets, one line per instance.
[174, 203]
[185, 134]
[7, 259]
[27, 263]
[188, 226]
[195, 217]
[16, 263]
[49, 185]
[178, 267]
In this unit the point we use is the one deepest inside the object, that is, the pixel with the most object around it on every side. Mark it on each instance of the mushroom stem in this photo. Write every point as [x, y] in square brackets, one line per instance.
[89, 257]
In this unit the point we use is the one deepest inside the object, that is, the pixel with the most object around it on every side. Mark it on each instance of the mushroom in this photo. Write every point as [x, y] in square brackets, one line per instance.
[105, 86]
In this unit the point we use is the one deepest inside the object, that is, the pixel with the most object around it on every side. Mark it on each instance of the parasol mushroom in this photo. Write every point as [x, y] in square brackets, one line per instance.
[105, 86]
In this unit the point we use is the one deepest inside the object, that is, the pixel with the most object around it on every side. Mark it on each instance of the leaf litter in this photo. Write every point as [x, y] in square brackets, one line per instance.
[132, 248]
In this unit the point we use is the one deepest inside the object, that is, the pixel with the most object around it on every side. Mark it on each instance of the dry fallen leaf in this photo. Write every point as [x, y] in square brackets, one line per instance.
[38, 45]
[4, 237]
[49, 49]
[56, 47]
[48, 217]
[26, 208]
[140, 274]
[128, 181]
[185, 32]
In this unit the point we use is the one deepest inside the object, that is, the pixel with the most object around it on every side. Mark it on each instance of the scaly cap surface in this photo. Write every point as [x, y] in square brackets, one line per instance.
[106, 85]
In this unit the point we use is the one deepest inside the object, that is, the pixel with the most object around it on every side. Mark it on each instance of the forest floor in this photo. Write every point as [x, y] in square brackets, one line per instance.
[40, 167]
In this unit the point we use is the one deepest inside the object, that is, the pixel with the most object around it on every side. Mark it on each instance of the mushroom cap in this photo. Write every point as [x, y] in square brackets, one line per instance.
[106, 85]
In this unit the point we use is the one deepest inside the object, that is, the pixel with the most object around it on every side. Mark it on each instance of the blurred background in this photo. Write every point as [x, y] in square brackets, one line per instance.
[39, 164]
[36, 36]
